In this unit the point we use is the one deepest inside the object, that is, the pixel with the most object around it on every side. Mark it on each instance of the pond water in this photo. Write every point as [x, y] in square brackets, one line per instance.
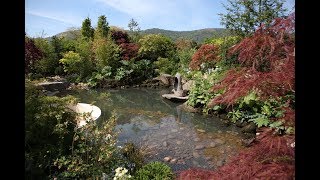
[163, 130]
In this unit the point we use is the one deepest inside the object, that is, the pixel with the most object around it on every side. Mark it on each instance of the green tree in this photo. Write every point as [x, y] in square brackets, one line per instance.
[107, 53]
[153, 46]
[244, 16]
[73, 63]
[57, 46]
[48, 64]
[134, 30]
[103, 27]
[87, 30]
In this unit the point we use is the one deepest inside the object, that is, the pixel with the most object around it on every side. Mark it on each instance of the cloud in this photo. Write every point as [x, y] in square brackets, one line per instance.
[139, 8]
[65, 18]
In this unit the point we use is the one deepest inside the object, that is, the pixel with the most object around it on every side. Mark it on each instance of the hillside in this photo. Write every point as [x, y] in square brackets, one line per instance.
[197, 35]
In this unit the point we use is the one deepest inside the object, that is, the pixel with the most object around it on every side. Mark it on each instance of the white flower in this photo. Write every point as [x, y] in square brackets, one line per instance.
[108, 136]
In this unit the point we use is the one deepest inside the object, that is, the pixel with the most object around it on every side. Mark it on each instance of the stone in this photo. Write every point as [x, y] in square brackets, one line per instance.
[219, 141]
[179, 142]
[250, 128]
[54, 86]
[174, 160]
[187, 85]
[84, 108]
[175, 98]
[219, 163]
[195, 154]
[212, 144]
[223, 116]
[166, 159]
[199, 147]
[241, 124]
[201, 130]
[165, 144]
[196, 139]
[174, 130]
[208, 158]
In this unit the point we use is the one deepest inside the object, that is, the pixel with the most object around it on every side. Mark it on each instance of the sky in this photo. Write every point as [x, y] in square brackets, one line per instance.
[45, 18]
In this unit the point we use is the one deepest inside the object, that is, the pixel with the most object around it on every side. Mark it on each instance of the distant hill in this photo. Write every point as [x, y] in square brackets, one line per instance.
[197, 35]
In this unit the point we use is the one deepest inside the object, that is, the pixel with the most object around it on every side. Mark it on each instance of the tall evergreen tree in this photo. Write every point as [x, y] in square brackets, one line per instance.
[244, 16]
[103, 27]
[86, 29]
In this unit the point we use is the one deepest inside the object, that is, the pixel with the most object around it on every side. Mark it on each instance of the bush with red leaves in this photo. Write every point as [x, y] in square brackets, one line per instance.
[206, 53]
[129, 50]
[31, 54]
[271, 157]
[268, 64]
[119, 36]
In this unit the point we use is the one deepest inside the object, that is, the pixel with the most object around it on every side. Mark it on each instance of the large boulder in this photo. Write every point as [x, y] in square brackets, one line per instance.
[249, 128]
[186, 86]
[86, 112]
[54, 86]
[165, 79]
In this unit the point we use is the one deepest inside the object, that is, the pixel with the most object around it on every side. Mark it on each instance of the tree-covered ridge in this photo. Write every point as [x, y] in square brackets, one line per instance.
[197, 35]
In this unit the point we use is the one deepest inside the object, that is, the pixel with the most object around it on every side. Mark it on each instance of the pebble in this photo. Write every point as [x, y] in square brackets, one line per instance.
[201, 130]
[199, 147]
[195, 154]
[196, 139]
[166, 159]
[173, 161]
[165, 144]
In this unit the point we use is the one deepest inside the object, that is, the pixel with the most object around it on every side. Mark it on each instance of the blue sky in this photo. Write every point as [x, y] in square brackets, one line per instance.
[48, 17]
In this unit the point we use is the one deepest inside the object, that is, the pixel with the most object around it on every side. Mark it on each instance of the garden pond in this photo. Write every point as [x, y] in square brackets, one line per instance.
[162, 130]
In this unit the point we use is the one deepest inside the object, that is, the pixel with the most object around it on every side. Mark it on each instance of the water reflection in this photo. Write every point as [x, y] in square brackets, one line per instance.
[161, 126]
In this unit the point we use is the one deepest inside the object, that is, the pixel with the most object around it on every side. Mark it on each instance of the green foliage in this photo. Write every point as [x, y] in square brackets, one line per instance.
[48, 130]
[48, 64]
[153, 46]
[134, 155]
[107, 54]
[243, 17]
[134, 30]
[196, 35]
[93, 152]
[105, 73]
[87, 30]
[200, 93]
[185, 57]
[261, 112]
[166, 65]
[102, 28]
[73, 63]
[154, 170]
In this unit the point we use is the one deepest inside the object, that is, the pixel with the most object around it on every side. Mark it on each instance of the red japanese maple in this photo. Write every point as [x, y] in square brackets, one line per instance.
[268, 64]
[206, 53]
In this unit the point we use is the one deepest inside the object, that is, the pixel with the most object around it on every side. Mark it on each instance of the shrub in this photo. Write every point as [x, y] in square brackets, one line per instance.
[32, 54]
[119, 36]
[153, 46]
[166, 65]
[154, 170]
[207, 53]
[268, 64]
[107, 53]
[48, 131]
[129, 51]
[73, 63]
